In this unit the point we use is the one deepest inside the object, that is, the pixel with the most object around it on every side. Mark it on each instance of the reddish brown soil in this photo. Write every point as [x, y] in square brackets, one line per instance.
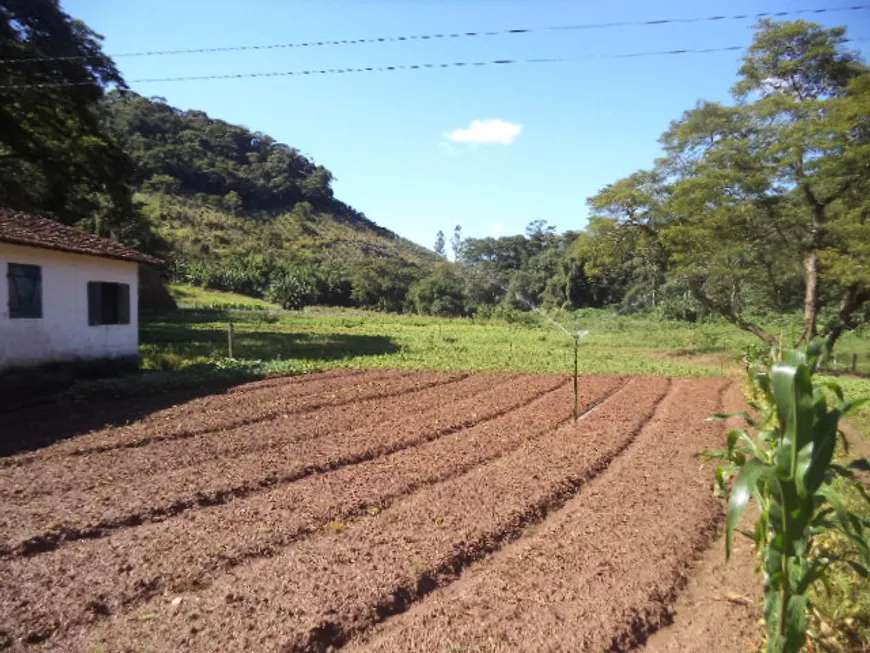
[721, 608]
[384, 510]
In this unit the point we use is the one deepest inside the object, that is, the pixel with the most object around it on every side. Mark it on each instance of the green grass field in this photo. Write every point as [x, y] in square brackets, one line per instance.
[269, 341]
[615, 345]
[188, 296]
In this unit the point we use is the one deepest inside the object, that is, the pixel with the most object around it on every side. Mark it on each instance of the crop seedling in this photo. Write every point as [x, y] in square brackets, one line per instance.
[787, 466]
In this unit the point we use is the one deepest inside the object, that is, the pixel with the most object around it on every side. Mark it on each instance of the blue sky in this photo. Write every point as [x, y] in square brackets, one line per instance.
[404, 146]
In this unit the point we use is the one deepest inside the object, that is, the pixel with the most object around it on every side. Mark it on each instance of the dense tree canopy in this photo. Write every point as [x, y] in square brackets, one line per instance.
[250, 170]
[55, 155]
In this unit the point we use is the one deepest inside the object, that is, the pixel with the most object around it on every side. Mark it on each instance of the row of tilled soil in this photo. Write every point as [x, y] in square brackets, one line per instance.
[107, 467]
[323, 589]
[53, 419]
[34, 524]
[234, 409]
[87, 579]
[603, 572]
[89, 420]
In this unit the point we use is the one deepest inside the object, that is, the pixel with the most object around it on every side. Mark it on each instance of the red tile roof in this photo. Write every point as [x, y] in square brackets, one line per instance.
[24, 229]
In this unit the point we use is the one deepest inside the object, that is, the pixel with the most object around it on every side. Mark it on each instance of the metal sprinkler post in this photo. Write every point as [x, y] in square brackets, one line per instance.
[576, 347]
[577, 335]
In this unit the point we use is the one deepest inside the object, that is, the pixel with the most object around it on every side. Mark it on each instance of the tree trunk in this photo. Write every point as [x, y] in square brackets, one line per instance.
[812, 265]
[811, 296]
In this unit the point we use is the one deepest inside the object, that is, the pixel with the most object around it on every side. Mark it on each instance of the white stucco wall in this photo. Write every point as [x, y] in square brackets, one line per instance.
[63, 333]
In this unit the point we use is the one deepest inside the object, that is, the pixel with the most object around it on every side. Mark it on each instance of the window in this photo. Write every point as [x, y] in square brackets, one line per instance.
[108, 303]
[25, 291]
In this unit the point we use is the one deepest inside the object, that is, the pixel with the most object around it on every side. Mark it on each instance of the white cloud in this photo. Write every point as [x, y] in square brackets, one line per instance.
[486, 131]
[497, 228]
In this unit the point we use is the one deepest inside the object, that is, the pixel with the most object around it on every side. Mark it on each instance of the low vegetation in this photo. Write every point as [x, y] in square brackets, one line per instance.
[513, 341]
[187, 296]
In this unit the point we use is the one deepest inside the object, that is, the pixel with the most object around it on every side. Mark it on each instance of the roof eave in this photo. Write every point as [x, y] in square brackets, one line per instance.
[136, 257]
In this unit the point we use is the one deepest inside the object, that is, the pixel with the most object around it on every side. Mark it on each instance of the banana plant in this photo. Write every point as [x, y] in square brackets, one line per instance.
[784, 461]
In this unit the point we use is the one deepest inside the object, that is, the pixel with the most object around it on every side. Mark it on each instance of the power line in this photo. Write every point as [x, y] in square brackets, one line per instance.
[424, 66]
[450, 35]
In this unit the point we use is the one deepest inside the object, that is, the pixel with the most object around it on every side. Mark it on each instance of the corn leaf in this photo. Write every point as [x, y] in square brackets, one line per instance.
[793, 394]
[744, 487]
[810, 477]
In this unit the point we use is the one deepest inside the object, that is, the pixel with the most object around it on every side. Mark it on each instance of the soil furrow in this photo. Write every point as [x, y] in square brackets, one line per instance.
[244, 411]
[122, 466]
[325, 588]
[53, 423]
[721, 607]
[149, 561]
[95, 514]
[603, 572]
[88, 420]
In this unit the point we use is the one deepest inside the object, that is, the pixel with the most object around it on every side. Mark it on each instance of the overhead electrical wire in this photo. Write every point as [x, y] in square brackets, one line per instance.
[401, 67]
[446, 35]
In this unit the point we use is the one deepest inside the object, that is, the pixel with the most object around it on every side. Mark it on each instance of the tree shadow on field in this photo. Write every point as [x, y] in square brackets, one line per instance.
[252, 343]
[49, 413]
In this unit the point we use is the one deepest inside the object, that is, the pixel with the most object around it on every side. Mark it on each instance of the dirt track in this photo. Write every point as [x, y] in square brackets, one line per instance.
[373, 511]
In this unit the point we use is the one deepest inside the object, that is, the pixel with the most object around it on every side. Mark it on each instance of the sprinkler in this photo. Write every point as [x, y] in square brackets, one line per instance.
[577, 337]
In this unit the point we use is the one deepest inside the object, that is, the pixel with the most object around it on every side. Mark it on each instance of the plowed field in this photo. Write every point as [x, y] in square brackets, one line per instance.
[382, 511]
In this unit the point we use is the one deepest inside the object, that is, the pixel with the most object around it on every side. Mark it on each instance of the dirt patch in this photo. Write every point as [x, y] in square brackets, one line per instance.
[366, 518]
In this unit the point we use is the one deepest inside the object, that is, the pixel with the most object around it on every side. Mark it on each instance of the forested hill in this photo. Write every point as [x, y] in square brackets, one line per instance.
[226, 207]
[237, 210]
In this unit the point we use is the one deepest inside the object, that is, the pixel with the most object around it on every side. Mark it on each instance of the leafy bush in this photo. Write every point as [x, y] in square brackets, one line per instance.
[291, 291]
[440, 293]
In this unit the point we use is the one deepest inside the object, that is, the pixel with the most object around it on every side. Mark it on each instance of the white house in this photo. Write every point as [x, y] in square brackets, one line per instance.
[67, 296]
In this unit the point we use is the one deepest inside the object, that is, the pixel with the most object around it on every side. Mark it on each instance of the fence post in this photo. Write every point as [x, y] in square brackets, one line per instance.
[854, 363]
[230, 339]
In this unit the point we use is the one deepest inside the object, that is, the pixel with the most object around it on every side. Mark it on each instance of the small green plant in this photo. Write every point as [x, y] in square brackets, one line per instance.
[788, 468]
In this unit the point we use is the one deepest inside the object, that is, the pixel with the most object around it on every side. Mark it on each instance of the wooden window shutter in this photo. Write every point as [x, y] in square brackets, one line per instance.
[123, 303]
[25, 290]
[95, 303]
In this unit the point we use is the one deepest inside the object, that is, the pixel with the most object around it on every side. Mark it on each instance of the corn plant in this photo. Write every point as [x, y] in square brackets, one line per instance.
[784, 461]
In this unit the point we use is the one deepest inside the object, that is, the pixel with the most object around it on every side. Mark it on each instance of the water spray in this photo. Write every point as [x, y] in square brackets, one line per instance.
[577, 336]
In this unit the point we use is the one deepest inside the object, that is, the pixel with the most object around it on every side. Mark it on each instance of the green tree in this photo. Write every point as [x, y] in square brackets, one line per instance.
[439, 293]
[290, 290]
[440, 248]
[456, 242]
[625, 252]
[759, 205]
[54, 154]
[381, 283]
[232, 202]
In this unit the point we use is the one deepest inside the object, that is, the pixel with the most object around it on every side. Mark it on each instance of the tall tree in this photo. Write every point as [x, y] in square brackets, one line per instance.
[625, 252]
[770, 193]
[456, 243]
[54, 155]
[440, 248]
[802, 74]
